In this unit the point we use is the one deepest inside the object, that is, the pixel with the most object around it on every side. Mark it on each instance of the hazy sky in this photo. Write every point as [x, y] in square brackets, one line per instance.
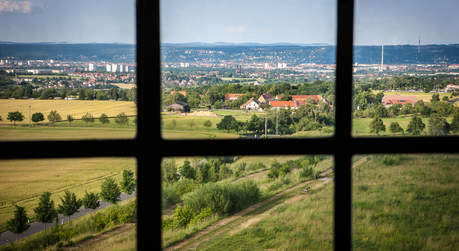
[265, 21]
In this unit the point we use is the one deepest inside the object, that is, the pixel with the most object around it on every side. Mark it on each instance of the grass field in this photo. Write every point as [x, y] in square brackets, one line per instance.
[64, 133]
[76, 108]
[23, 181]
[426, 97]
[408, 206]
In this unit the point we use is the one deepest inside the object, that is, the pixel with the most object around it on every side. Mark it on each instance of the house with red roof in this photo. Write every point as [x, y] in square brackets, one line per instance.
[316, 98]
[389, 100]
[251, 104]
[181, 92]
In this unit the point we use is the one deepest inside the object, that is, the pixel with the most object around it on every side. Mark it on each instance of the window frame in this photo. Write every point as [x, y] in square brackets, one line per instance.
[149, 148]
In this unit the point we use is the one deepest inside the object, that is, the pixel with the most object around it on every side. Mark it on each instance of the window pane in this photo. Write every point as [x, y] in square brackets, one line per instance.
[247, 69]
[248, 202]
[24, 183]
[406, 68]
[67, 76]
[405, 202]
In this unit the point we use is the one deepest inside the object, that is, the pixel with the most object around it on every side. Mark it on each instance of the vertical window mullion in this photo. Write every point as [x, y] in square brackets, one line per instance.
[343, 123]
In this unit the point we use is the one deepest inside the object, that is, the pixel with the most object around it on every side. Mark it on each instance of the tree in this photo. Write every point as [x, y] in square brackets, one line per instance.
[18, 224]
[37, 117]
[435, 98]
[87, 118]
[455, 122]
[122, 119]
[128, 182]
[104, 118]
[187, 171]
[227, 123]
[45, 211]
[207, 123]
[110, 191]
[416, 126]
[91, 200]
[69, 204]
[377, 125]
[69, 119]
[169, 171]
[53, 116]
[395, 128]
[438, 126]
[15, 116]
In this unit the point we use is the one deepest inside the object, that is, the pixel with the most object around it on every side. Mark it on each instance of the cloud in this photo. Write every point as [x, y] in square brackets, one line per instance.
[15, 6]
[235, 29]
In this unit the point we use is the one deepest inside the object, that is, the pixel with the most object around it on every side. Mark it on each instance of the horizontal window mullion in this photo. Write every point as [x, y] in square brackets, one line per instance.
[62, 149]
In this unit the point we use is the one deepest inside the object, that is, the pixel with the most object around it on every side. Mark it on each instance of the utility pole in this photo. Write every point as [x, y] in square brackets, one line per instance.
[266, 136]
[277, 121]
[30, 116]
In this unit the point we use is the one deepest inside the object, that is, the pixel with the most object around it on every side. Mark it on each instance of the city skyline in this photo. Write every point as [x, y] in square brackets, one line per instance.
[293, 21]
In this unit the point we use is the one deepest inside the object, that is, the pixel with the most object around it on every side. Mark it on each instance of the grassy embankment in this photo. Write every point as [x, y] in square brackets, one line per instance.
[415, 209]
[111, 228]
[23, 181]
[268, 188]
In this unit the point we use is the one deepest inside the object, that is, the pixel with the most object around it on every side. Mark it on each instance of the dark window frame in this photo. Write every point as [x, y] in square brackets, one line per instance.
[149, 148]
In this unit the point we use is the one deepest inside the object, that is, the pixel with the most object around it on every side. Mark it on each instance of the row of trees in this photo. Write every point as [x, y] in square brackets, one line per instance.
[45, 211]
[438, 126]
[54, 116]
[28, 91]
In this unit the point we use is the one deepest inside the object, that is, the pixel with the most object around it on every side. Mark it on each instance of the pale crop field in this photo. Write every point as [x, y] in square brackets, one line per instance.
[76, 108]
[19, 133]
[23, 181]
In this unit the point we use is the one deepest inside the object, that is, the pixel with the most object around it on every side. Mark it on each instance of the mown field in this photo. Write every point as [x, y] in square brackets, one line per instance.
[411, 205]
[23, 181]
[76, 108]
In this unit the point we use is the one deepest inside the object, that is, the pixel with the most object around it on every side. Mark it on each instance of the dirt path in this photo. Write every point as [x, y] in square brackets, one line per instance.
[219, 226]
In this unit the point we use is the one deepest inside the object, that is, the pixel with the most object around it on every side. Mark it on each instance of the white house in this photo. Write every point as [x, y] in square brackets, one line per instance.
[251, 104]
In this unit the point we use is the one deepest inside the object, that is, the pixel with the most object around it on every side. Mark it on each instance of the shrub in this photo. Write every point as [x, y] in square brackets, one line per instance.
[278, 184]
[223, 198]
[391, 160]
[183, 215]
[169, 196]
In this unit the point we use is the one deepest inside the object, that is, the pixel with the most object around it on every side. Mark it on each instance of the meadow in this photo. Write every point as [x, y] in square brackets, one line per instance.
[410, 204]
[23, 181]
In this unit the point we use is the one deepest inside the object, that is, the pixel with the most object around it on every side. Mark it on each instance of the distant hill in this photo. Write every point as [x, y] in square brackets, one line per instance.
[64, 51]
[311, 53]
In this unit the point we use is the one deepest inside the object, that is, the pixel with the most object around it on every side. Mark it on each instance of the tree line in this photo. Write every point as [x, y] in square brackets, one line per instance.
[53, 117]
[45, 211]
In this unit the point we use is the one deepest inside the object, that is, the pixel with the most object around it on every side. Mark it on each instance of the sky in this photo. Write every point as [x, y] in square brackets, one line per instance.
[72, 21]
[264, 21]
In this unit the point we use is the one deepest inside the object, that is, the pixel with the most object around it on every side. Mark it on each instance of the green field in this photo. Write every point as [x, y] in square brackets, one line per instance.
[23, 181]
[408, 206]
[76, 108]
[426, 97]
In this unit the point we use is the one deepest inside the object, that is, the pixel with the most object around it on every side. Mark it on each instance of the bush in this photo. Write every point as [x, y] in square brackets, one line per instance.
[391, 160]
[169, 196]
[223, 198]
[278, 184]
[183, 215]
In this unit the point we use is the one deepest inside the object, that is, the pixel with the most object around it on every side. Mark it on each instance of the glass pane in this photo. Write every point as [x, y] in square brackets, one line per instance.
[248, 202]
[67, 76]
[405, 202]
[247, 69]
[406, 68]
[35, 190]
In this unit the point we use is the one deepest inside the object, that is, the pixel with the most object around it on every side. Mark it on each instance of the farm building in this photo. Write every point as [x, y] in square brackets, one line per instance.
[316, 98]
[389, 100]
[265, 98]
[251, 104]
[178, 106]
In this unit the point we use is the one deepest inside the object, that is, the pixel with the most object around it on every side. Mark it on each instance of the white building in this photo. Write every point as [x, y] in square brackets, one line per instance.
[108, 68]
[91, 67]
[114, 67]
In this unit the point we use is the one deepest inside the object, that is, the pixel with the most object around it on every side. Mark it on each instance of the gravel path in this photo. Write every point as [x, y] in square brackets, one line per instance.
[35, 227]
